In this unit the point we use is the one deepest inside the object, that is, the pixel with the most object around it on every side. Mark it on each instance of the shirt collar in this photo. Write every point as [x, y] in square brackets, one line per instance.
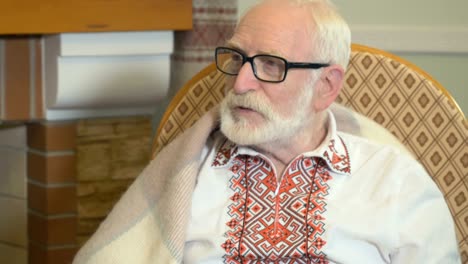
[332, 150]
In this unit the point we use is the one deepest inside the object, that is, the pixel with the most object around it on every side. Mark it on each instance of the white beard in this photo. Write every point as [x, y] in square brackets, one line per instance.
[274, 128]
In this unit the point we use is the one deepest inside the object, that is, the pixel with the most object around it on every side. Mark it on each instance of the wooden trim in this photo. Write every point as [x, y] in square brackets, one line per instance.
[50, 16]
[17, 78]
[39, 94]
[363, 48]
[2, 79]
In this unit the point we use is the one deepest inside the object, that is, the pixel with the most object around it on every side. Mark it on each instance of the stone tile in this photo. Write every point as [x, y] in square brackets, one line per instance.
[87, 227]
[13, 136]
[97, 206]
[93, 162]
[94, 127]
[13, 172]
[104, 188]
[127, 170]
[13, 221]
[110, 154]
[10, 254]
[97, 199]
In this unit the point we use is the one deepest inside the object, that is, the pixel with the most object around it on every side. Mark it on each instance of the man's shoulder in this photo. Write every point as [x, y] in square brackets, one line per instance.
[385, 166]
[364, 151]
[362, 142]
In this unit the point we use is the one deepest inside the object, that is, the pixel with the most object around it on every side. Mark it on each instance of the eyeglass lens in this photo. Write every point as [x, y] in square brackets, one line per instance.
[265, 67]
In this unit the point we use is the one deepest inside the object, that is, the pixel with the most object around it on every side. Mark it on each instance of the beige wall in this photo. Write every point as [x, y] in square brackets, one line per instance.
[417, 16]
[449, 69]
[414, 12]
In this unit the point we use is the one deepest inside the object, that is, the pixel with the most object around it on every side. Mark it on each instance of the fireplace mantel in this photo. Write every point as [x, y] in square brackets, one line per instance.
[52, 16]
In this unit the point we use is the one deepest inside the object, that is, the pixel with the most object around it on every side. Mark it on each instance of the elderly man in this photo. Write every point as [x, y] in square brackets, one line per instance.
[276, 182]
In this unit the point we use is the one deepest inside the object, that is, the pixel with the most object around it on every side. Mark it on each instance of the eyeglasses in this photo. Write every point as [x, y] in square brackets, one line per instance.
[267, 68]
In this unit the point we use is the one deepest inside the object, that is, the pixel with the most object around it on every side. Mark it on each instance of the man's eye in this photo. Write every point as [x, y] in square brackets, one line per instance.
[271, 63]
[236, 57]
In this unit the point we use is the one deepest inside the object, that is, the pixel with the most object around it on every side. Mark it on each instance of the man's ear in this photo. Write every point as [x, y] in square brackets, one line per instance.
[328, 87]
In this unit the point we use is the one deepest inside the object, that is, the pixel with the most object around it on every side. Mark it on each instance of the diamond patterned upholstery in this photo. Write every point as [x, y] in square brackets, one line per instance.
[394, 93]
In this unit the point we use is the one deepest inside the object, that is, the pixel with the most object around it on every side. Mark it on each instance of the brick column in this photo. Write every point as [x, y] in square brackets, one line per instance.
[52, 217]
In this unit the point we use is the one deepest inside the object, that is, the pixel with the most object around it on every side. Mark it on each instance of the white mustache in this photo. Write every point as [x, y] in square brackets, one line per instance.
[251, 101]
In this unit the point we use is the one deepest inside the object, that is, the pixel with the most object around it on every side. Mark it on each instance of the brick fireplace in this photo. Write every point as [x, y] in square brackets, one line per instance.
[61, 169]
[70, 146]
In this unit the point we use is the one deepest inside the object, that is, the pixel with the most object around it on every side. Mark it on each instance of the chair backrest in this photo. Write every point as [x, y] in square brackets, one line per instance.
[391, 91]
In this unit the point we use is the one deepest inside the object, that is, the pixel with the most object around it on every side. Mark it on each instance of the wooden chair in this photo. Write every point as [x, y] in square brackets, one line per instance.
[391, 91]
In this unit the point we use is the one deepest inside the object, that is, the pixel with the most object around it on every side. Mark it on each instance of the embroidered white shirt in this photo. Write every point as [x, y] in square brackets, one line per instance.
[348, 201]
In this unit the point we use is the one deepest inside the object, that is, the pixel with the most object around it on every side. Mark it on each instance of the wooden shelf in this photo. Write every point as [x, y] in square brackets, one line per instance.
[59, 16]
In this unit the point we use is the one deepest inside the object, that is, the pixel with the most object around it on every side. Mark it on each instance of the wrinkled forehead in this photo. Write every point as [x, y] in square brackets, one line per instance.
[275, 27]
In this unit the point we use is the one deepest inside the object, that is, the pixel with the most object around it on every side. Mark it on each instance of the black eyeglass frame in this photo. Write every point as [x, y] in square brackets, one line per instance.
[289, 65]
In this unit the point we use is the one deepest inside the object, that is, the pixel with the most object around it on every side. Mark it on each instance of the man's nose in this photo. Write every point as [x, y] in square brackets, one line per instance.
[245, 79]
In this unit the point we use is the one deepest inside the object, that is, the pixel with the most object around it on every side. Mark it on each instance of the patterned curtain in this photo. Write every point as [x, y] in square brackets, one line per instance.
[213, 24]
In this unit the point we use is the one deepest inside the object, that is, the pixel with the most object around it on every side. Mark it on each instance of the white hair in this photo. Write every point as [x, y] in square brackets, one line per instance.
[330, 34]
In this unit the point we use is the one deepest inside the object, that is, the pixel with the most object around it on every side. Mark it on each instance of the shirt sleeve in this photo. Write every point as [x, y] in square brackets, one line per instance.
[425, 228]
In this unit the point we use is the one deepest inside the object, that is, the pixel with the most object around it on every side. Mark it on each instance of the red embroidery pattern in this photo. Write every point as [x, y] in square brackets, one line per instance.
[337, 156]
[226, 151]
[268, 223]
